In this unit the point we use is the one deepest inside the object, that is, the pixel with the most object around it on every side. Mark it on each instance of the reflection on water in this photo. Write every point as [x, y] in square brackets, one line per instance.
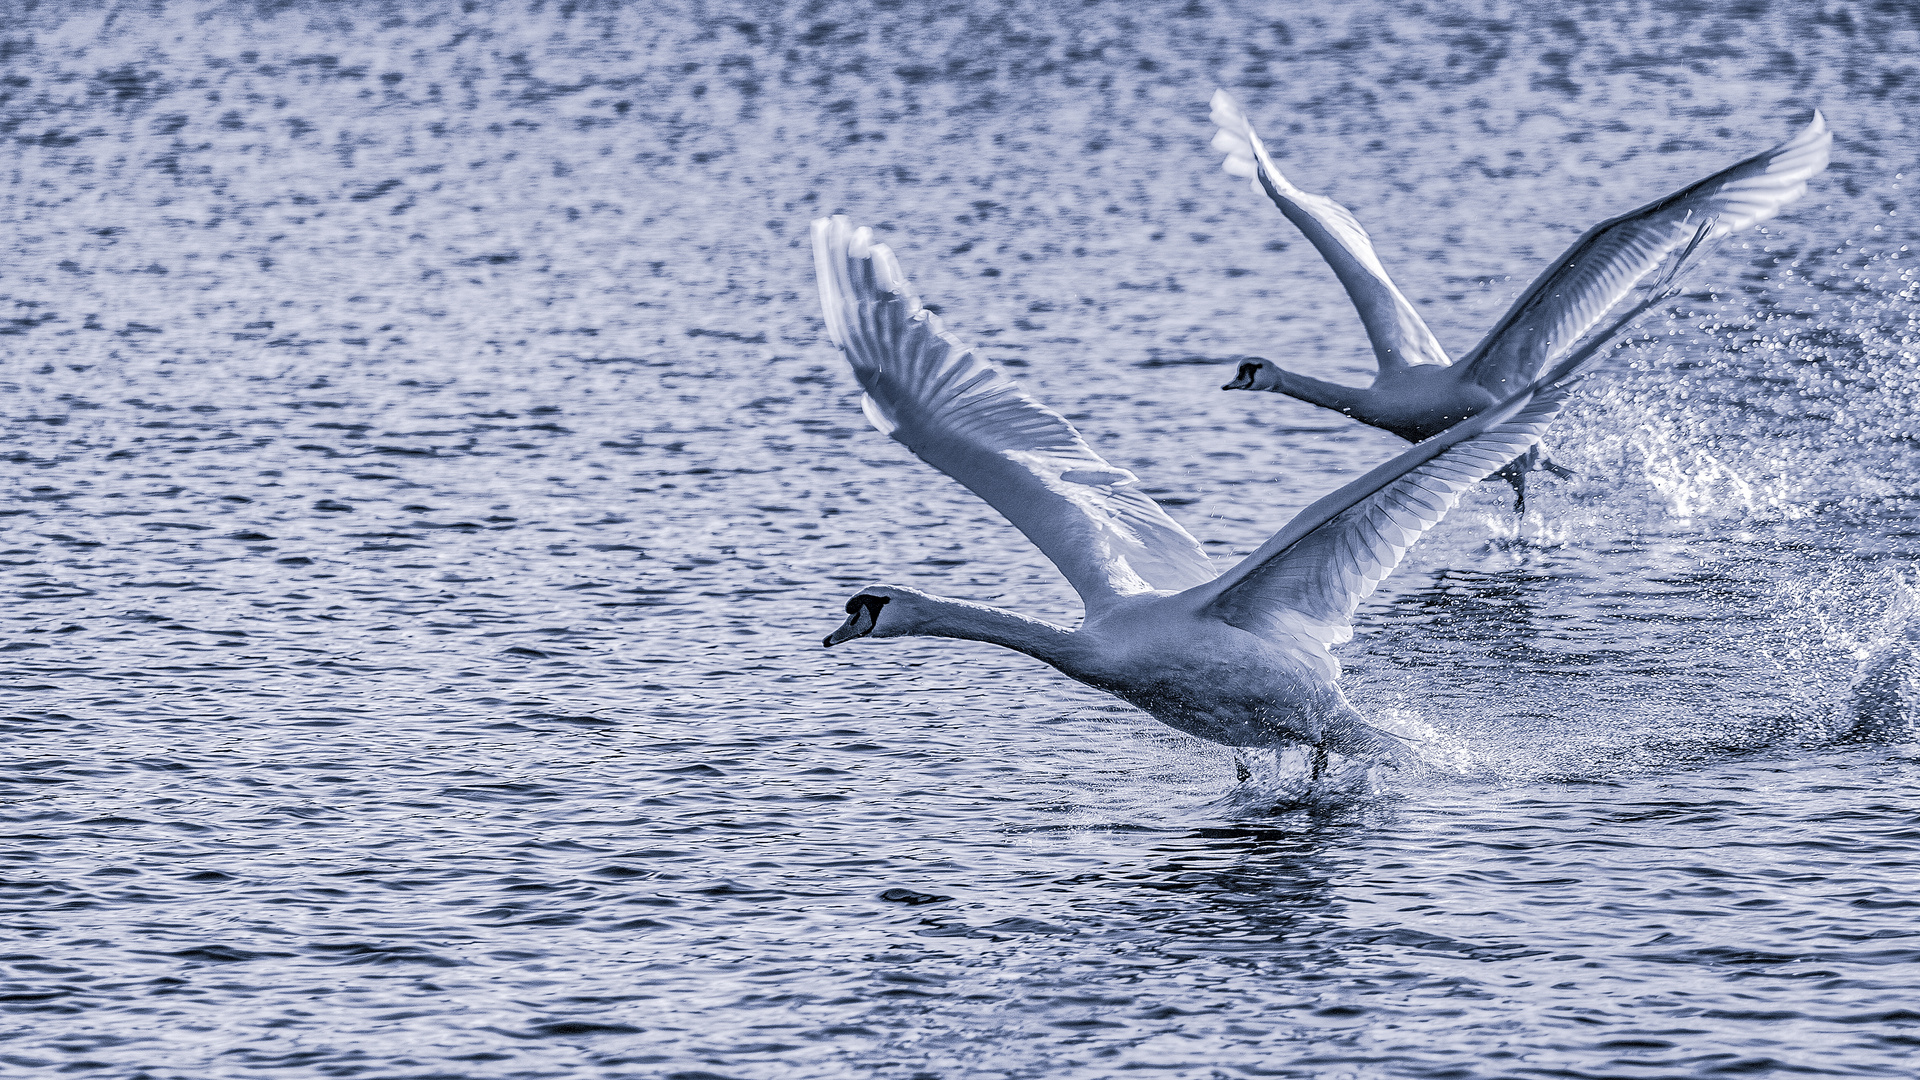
[428, 485]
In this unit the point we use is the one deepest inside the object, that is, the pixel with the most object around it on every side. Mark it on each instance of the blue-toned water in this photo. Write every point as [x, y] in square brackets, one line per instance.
[428, 482]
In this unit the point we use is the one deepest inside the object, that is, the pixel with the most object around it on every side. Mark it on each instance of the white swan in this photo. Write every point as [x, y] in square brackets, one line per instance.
[1241, 658]
[1419, 390]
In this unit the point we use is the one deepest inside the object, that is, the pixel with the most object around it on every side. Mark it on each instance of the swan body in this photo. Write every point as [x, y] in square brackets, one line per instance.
[1197, 675]
[1240, 657]
[1418, 402]
[1419, 391]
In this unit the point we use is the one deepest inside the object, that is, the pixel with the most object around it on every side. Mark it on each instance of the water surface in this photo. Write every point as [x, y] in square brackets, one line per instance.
[429, 483]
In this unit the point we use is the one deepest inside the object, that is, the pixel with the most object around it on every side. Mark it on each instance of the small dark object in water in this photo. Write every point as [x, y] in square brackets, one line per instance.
[908, 896]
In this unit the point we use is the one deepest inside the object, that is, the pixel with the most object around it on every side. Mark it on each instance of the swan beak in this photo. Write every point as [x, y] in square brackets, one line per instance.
[1243, 379]
[859, 624]
[847, 632]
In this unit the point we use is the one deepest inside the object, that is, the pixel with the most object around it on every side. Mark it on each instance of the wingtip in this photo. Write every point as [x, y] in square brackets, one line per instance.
[851, 266]
[822, 233]
[1229, 117]
[1818, 126]
[1817, 130]
[1236, 139]
[1222, 105]
[825, 278]
[834, 229]
[835, 243]
[890, 276]
[1808, 152]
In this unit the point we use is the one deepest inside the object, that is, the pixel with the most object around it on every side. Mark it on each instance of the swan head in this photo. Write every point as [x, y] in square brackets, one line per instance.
[868, 614]
[1254, 374]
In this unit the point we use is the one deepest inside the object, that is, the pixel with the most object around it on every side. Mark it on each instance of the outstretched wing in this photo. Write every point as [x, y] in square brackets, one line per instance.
[1399, 336]
[962, 415]
[1602, 266]
[1307, 580]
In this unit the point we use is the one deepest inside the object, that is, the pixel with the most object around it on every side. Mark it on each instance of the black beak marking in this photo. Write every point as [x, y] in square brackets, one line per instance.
[863, 613]
[1243, 379]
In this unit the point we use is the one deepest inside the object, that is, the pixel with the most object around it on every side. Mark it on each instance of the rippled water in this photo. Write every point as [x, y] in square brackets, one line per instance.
[429, 484]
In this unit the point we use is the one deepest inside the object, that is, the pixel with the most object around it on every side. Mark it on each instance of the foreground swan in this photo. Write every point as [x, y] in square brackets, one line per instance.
[1419, 390]
[1241, 658]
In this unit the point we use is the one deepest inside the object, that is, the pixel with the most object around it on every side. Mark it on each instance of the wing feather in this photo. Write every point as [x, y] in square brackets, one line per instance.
[1306, 582]
[1604, 264]
[964, 416]
[1400, 337]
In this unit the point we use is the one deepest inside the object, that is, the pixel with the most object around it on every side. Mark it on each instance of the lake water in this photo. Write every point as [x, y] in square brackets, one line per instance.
[429, 482]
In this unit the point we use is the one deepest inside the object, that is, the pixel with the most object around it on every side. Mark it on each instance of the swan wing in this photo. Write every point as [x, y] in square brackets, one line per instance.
[964, 416]
[1570, 296]
[1305, 582]
[1400, 338]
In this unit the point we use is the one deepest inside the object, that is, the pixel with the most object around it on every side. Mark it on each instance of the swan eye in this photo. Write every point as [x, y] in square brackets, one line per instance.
[869, 605]
[1247, 371]
[863, 615]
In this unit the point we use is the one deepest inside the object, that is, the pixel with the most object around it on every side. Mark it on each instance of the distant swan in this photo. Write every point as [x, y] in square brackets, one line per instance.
[1241, 658]
[1419, 391]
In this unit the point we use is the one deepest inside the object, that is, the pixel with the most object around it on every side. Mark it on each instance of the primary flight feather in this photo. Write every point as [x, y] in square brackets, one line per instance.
[1240, 658]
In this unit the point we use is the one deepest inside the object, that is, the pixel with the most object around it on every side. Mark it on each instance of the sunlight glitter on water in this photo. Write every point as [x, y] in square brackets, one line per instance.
[430, 483]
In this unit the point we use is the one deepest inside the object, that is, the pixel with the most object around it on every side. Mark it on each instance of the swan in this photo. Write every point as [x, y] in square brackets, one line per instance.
[1419, 390]
[1241, 657]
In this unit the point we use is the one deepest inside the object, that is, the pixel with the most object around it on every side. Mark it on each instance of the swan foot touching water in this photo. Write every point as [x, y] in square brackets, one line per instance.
[1269, 781]
[1240, 657]
[1281, 769]
[1419, 391]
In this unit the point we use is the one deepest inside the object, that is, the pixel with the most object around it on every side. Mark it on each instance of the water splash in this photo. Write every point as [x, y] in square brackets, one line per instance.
[1437, 749]
[1883, 704]
[1688, 476]
[1520, 534]
[1283, 780]
[1277, 781]
[1841, 644]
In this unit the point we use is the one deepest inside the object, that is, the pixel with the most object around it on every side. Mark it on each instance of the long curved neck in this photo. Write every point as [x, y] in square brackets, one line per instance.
[942, 617]
[1411, 406]
[1349, 400]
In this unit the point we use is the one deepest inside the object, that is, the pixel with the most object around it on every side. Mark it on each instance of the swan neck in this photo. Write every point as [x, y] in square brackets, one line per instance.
[978, 622]
[1341, 399]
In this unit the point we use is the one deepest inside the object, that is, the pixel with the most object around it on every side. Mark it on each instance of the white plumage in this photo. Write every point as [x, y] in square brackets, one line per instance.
[1241, 658]
[1419, 390]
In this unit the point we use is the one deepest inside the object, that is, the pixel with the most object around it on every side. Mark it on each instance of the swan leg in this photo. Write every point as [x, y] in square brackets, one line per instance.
[1241, 774]
[1558, 470]
[1319, 762]
[1518, 478]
